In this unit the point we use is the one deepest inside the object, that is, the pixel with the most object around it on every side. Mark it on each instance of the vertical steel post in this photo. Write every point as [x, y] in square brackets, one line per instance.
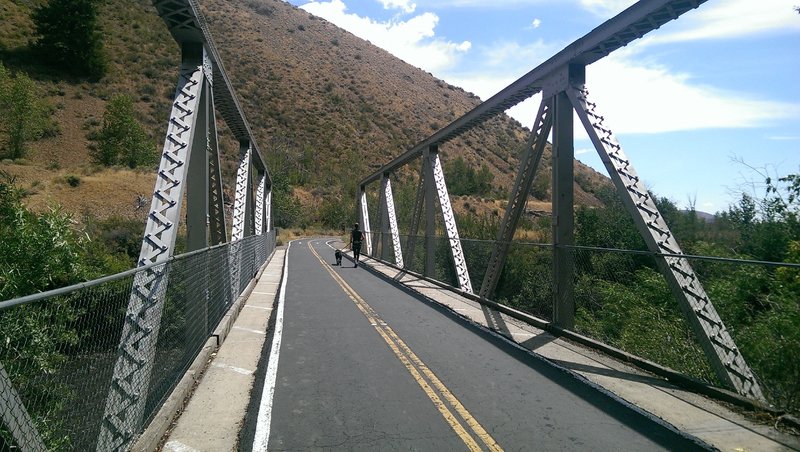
[130, 385]
[430, 213]
[710, 331]
[519, 196]
[197, 183]
[563, 215]
[411, 243]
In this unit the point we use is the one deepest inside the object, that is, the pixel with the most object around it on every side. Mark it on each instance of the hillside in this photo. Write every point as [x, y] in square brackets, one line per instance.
[326, 107]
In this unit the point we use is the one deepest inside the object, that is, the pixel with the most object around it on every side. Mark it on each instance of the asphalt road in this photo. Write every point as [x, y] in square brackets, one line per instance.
[364, 365]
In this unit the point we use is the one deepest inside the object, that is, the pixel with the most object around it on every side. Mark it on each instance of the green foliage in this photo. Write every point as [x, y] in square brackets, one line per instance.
[337, 212]
[122, 140]
[38, 251]
[23, 115]
[69, 37]
[462, 179]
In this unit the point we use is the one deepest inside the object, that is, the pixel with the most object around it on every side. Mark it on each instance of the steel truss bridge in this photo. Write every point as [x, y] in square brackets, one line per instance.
[190, 169]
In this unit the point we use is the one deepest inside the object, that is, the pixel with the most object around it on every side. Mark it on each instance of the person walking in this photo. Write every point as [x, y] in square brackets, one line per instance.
[356, 238]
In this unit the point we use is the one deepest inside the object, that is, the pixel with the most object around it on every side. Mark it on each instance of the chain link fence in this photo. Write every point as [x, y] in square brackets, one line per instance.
[58, 349]
[622, 300]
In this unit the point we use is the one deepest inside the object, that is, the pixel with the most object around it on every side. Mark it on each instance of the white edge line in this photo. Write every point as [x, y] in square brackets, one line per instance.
[261, 438]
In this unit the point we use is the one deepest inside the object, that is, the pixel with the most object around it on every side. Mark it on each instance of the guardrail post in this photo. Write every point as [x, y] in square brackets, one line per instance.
[384, 218]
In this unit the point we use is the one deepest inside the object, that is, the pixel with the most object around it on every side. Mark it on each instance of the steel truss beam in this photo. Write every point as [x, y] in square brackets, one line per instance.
[456, 252]
[519, 196]
[419, 200]
[390, 217]
[130, 384]
[259, 217]
[708, 327]
[15, 417]
[363, 220]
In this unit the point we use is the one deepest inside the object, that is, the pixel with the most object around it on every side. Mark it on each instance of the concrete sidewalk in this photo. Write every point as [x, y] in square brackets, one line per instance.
[213, 417]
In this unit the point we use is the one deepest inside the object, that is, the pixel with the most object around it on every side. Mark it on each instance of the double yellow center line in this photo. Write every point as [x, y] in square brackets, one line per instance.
[444, 401]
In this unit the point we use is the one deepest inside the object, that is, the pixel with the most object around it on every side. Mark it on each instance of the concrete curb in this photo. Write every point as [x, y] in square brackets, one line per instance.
[151, 438]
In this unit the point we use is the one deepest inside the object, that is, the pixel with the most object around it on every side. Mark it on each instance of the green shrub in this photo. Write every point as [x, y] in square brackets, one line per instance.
[23, 116]
[122, 140]
[69, 37]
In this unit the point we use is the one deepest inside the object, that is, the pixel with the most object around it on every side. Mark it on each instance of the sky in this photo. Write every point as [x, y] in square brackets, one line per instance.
[703, 106]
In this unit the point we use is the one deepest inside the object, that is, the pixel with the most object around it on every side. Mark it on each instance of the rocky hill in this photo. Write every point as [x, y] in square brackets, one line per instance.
[327, 107]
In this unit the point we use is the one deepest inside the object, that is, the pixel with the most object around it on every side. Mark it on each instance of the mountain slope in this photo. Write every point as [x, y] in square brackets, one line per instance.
[325, 106]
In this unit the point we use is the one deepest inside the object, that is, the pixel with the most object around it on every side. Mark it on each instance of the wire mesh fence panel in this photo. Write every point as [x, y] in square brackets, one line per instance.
[59, 351]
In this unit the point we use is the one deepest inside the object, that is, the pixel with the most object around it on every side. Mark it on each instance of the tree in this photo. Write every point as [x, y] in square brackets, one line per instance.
[22, 115]
[69, 37]
[122, 140]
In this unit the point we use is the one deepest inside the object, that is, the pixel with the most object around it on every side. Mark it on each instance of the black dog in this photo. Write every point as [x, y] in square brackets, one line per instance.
[338, 255]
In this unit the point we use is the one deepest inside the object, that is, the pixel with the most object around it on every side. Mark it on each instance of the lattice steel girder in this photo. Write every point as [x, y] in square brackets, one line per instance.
[186, 24]
[240, 202]
[16, 419]
[519, 196]
[259, 217]
[392, 220]
[129, 387]
[415, 218]
[218, 230]
[363, 219]
[708, 327]
[456, 252]
[383, 215]
[627, 26]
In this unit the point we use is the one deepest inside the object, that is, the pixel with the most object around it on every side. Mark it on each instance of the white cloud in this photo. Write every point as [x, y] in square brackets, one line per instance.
[731, 19]
[606, 8]
[536, 23]
[405, 5]
[412, 40]
[646, 98]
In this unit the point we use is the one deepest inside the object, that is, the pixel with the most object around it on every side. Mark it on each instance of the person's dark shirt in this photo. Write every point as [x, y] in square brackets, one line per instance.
[356, 235]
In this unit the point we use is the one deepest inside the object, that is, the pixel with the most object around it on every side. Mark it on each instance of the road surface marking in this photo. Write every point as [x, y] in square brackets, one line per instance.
[176, 446]
[261, 438]
[249, 330]
[238, 370]
[417, 369]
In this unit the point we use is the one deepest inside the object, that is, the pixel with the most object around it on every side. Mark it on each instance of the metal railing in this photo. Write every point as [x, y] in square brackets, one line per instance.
[59, 348]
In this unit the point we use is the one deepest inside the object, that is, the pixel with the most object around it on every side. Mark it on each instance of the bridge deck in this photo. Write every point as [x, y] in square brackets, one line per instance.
[366, 365]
